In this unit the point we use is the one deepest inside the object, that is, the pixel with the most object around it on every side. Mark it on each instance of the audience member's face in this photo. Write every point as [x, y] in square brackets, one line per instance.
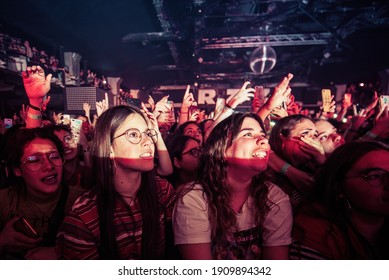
[194, 131]
[68, 143]
[369, 197]
[249, 153]
[133, 157]
[329, 137]
[190, 158]
[291, 145]
[46, 179]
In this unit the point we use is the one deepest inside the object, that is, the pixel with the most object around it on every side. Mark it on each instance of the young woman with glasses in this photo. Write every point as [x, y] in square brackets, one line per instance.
[127, 214]
[77, 170]
[231, 212]
[35, 159]
[348, 218]
[185, 152]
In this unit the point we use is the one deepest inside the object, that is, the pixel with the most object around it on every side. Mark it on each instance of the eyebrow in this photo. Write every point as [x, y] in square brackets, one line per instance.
[332, 130]
[250, 129]
[309, 129]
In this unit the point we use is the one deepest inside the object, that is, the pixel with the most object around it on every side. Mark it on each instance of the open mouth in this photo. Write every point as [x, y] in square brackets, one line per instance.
[260, 154]
[50, 179]
[147, 155]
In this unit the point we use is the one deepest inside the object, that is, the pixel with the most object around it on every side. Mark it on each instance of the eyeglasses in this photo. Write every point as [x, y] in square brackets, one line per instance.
[134, 136]
[34, 162]
[68, 139]
[195, 152]
[376, 177]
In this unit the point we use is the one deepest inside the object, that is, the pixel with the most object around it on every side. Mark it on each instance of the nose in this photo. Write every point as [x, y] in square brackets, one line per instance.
[262, 140]
[312, 135]
[46, 163]
[336, 137]
[65, 144]
[146, 140]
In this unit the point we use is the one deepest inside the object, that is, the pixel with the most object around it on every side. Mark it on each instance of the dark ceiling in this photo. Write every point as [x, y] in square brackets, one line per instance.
[162, 42]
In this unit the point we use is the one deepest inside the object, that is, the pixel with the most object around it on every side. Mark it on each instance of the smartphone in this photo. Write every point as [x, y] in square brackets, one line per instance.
[75, 126]
[23, 226]
[134, 101]
[220, 103]
[193, 108]
[172, 115]
[326, 97]
[384, 101]
[8, 123]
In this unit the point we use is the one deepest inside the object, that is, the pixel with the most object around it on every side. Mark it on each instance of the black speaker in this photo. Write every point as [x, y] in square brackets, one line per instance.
[76, 96]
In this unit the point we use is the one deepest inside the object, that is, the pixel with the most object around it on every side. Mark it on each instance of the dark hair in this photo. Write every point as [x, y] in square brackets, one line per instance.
[214, 177]
[283, 128]
[329, 180]
[329, 183]
[106, 126]
[175, 146]
[59, 127]
[14, 149]
[181, 128]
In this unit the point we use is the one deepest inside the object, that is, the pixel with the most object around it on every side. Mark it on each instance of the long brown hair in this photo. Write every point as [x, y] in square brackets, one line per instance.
[106, 126]
[214, 177]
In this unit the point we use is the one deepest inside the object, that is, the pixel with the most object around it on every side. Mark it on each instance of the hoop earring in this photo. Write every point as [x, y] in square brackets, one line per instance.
[345, 201]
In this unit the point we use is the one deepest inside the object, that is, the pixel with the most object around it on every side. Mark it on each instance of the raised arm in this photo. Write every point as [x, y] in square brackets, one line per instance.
[37, 85]
[279, 95]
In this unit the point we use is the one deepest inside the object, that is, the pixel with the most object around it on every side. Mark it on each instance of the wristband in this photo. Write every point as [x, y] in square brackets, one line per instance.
[34, 107]
[35, 117]
[371, 135]
[284, 169]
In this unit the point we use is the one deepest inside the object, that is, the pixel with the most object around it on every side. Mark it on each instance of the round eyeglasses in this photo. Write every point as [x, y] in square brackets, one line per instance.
[134, 136]
[68, 139]
[375, 177]
[35, 162]
[195, 152]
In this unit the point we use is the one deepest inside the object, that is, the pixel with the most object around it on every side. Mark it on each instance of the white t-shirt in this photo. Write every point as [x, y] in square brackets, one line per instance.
[191, 225]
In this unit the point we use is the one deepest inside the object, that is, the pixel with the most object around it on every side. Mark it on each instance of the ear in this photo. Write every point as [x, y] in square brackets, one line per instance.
[176, 162]
[17, 171]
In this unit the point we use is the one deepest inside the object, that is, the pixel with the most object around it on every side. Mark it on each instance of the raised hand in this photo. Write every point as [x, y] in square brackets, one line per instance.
[161, 107]
[103, 105]
[151, 103]
[86, 107]
[313, 147]
[244, 94]
[45, 102]
[23, 113]
[152, 121]
[280, 93]
[187, 100]
[35, 82]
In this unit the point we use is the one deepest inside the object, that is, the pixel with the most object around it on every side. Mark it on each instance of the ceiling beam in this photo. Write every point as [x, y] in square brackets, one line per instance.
[269, 40]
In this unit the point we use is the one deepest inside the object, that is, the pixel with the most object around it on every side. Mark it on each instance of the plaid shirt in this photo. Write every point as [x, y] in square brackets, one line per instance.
[79, 235]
